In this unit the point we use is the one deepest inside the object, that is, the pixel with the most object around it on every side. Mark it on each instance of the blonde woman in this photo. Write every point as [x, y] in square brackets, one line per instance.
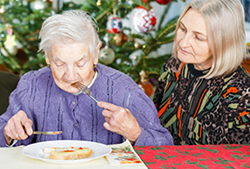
[203, 92]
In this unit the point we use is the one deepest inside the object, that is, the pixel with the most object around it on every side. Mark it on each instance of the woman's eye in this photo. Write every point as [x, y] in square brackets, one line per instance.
[182, 29]
[59, 64]
[81, 64]
[199, 38]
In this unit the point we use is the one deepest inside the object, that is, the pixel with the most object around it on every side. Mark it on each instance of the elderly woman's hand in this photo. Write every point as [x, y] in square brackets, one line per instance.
[18, 127]
[121, 121]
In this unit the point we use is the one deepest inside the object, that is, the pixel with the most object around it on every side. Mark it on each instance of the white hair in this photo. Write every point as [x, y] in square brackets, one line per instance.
[74, 25]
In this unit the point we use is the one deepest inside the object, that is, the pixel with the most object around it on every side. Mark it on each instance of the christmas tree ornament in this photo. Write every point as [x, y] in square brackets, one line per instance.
[114, 24]
[144, 84]
[137, 45]
[144, 20]
[99, 3]
[106, 56]
[163, 2]
[136, 56]
[38, 5]
[119, 39]
[10, 43]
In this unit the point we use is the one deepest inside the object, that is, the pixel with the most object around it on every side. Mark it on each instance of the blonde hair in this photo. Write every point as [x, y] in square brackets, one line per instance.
[74, 25]
[226, 33]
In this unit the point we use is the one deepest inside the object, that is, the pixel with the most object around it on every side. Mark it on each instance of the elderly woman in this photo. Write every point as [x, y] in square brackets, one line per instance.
[45, 100]
[203, 93]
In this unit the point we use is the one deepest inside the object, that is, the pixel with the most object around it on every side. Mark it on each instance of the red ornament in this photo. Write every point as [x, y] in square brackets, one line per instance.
[144, 20]
[163, 2]
[147, 87]
[114, 24]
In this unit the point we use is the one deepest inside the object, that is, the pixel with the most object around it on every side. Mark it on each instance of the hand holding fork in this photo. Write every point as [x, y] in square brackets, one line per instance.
[118, 119]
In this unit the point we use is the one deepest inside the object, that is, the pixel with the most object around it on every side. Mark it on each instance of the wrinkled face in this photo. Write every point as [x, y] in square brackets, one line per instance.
[192, 41]
[71, 63]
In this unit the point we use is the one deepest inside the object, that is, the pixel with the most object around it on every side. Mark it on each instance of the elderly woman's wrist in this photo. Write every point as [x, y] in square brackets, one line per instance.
[135, 136]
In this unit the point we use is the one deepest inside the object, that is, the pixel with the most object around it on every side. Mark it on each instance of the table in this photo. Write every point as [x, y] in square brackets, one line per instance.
[155, 157]
[201, 156]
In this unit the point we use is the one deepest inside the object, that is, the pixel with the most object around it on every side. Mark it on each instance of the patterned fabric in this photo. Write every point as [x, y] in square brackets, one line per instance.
[195, 156]
[201, 111]
[78, 116]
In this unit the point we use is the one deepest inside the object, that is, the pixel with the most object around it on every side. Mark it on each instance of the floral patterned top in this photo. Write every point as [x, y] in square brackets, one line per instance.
[203, 111]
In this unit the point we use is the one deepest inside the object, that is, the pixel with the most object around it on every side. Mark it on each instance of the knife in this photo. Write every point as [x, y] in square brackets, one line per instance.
[48, 132]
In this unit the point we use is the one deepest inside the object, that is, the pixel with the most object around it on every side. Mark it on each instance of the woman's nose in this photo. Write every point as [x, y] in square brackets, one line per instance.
[185, 40]
[71, 73]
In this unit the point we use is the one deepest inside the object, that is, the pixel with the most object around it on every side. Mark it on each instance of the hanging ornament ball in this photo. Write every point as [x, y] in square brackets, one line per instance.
[145, 85]
[38, 5]
[144, 20]
[137, 45]
[119, 39]
[163, 2]
[106, 56]
[114, 24]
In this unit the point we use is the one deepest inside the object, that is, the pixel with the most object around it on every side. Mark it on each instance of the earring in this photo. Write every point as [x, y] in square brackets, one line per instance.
[95, 67]
[48, 65]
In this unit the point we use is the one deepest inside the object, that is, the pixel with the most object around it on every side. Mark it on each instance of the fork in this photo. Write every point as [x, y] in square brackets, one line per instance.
[84, 89]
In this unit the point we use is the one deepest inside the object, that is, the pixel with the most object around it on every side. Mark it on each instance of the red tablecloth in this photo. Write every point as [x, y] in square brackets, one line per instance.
[201, 156]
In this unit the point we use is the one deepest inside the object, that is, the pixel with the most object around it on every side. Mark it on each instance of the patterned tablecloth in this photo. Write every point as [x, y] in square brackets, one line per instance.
[201, 156]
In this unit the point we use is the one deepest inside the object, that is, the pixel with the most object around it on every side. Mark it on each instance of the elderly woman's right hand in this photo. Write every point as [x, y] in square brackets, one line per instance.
[19, 127]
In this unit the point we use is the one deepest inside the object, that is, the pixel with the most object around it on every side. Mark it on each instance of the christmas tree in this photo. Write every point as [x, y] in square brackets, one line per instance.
[122, 49]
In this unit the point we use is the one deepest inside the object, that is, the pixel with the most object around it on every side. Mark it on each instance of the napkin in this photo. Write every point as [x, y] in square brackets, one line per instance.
[124, 154]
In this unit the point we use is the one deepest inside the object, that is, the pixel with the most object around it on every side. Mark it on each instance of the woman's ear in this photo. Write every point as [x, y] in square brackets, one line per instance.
[47, 58]
[97, 52]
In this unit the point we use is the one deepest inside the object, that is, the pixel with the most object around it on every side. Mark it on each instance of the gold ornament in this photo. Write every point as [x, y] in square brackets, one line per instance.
[119, 39]
[137, 45]
[99, 3]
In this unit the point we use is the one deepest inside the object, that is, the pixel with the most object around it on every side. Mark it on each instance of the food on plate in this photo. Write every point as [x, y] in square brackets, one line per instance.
[67, 153]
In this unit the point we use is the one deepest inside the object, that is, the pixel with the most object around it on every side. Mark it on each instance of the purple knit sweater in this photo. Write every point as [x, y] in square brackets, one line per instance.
[78, 116]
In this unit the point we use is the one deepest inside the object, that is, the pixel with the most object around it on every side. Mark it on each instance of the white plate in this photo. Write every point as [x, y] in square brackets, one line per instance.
[36, 150]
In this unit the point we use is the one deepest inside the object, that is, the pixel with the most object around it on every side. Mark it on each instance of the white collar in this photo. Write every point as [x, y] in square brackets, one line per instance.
[91, 83]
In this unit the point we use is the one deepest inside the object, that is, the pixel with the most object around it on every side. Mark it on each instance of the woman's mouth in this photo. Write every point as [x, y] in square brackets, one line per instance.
[184, 51]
